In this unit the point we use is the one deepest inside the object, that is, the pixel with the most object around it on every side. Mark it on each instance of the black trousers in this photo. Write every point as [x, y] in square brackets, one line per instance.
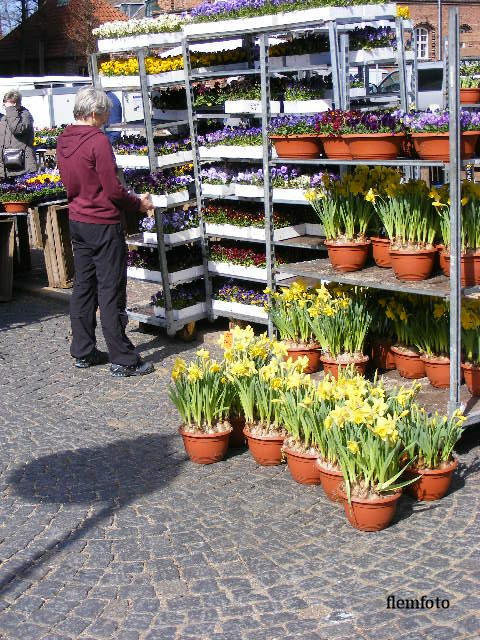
[100, 259]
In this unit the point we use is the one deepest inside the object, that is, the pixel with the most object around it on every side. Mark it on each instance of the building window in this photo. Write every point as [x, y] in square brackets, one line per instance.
[422, 43]
[130, 9]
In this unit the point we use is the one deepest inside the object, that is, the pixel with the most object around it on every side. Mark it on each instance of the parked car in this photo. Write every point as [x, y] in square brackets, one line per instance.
[430, 83]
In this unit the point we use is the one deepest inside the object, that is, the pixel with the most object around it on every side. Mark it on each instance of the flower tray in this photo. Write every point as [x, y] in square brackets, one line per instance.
[249, 106]
[222, 308]
[141, 162]
[253, 233]
[319, 14]
[249, 191]
[182, 314]
[238, 270]
[231, 151]
[117, 82]
[290, 195]
[312, 229]
[126, 43]
[186, 274]
[169, 199]
[171, 115]
[173, 238]
[139, 273]
[306, 106]
[214, 190]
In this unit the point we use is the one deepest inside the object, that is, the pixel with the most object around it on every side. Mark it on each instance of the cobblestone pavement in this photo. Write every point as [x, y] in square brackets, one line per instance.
[107, 531]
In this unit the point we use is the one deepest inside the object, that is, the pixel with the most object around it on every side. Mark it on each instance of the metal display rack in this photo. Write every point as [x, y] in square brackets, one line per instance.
[145, 314]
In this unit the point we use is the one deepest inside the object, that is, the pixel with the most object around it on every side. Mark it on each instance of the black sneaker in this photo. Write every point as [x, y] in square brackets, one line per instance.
[93, 359]
[140, 369]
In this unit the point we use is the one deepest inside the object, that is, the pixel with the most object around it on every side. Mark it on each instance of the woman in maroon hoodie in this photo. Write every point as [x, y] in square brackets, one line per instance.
[95, 199]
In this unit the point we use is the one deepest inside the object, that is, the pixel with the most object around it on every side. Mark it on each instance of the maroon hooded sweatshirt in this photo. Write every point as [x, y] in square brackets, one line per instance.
[89, 173]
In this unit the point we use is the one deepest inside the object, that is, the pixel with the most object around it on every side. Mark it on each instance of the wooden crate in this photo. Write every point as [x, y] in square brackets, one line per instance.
[34, 230]
[7, 246]
[57, 245]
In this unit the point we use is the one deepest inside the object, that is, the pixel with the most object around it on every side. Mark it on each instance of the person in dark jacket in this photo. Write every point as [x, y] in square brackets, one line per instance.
[96, 201]
[16, 132]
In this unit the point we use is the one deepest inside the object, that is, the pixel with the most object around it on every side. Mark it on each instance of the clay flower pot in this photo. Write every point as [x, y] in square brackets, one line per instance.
[374, 146]
[305, 147]
[237, 439]
[348, 256]
[469, 96]
[303, 467]
[331, 480]
[471, 373]
[330, 365]
[467, 267]
[335, 148]
[441, 258]
[432, 484]
[312, 353]
[476, 268]
[381, 252]
[437, 370]
[382, 356]
[436, 146]
[15, 207]
[408, 363]
[266, 450]
[411, 266]
[370, 514]
[205, 448]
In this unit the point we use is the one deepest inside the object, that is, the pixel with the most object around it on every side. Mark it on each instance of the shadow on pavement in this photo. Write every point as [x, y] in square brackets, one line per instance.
[116, 474]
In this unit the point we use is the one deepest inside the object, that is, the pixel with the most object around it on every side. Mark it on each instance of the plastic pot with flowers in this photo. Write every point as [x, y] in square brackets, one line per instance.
[376, 135]
[470, 231]
[259, 390]
[296, 137]
[411, 223]
[289, 311]
[344, 209]
[381, 335]
[471, 345]
[402, 311]
[432, 323]
[430, 440]
[203, 400]
[470, 83]
[430, 133]
[340, 323]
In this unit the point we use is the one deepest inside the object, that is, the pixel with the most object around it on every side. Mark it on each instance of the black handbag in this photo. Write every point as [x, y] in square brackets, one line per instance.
[14, 159]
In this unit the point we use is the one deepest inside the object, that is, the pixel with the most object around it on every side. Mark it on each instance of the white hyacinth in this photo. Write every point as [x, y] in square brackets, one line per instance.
[120, 28]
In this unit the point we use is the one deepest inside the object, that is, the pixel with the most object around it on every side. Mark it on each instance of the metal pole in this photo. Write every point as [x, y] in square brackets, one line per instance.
[196, 173]
[440, 30]
[345, 70]
[334, 54]
[402, 68]
[267, 156]
[147, 113]
[93, 64]
[162, 259]
[415, 69]
[455, 208]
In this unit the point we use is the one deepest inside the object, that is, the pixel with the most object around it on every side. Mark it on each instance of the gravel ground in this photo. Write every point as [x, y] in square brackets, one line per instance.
[107, 531]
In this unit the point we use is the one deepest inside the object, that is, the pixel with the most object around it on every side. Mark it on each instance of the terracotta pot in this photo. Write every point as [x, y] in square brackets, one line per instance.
[476, 268]
[436, 146]
[441, 258]
[409, 365]
[471, 374]
[300, 147]
[350, 256]
[467, 268]
[411, 266]
[335, 148]
[205, 448]
[15, 207]
[266, 450]
[332, 366]
[303, 467]
[237, 439]
[381, 252]
[373, 514]
[469, 96]
[374, 146]
[331, 480]
[437, 370]
[313, 355]
[382, 356]
[432, 484]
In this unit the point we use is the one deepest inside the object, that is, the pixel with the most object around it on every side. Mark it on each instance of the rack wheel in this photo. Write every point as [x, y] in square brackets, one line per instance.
[188, 333]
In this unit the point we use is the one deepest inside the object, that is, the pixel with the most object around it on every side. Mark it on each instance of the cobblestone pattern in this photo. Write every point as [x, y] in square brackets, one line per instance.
[107, 531]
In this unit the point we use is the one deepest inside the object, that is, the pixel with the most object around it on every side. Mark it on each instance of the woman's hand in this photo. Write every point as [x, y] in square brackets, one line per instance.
[146, 203]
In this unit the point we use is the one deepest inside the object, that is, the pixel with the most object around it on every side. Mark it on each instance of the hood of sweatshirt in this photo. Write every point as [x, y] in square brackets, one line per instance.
[74, 136]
